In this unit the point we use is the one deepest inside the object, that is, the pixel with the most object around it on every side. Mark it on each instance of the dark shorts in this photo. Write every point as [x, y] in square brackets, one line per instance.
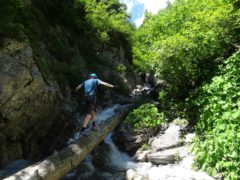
[91, 104]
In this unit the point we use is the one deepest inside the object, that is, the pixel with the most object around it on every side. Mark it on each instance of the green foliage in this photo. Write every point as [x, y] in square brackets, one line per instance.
[8, 14]
[146, 116]
[162, 96]
[145, 146]
[109, 19]
[121, 69]
[67, 36]
[178, 158]
[180, 122]
[184, 43]
[217, 146]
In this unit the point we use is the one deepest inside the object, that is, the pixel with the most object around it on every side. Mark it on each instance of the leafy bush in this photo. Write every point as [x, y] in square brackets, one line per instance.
[162, 96]
[146, 116]
[217, 147]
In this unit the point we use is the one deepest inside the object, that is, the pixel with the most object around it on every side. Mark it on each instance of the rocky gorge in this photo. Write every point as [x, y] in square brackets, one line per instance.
[36, 111]
[180, 67]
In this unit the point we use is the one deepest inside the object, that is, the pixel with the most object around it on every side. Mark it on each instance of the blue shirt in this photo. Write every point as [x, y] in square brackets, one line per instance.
[90, 86]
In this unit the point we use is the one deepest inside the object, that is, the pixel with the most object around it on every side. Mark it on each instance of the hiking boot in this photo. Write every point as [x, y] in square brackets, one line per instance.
[95, 128]
[84, 133]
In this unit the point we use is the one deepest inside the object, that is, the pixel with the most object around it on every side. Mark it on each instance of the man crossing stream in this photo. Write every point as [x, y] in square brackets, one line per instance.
[90, 97]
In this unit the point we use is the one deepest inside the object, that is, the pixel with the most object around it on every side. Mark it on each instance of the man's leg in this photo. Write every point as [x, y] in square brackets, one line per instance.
[89, 115]
[85, 122]
[91, 104]
[93, 113]
[94, 121]
[94, 118]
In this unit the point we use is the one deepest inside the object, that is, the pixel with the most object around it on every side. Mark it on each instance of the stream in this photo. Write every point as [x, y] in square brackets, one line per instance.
[115, 164]
[107, 162]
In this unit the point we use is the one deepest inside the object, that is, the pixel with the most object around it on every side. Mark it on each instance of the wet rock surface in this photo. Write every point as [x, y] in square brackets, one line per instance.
[100, 155]
[129, 140]
[170, 138]
[167, 157]
[170, 156]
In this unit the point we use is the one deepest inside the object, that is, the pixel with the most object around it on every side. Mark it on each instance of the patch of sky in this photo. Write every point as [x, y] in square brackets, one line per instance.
[137, 11]
[136, 8]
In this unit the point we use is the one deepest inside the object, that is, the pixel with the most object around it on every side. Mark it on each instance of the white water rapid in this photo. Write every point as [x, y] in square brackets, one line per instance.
[122, 161]
[116, 160]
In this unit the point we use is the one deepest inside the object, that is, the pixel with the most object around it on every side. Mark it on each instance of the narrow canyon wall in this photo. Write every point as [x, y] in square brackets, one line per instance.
[30, 108]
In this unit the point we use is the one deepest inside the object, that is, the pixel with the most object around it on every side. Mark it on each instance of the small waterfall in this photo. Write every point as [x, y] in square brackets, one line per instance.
[116, 159]
[121, 161]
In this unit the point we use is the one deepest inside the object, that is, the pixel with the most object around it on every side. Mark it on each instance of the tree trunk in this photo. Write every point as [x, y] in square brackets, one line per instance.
[60, 163]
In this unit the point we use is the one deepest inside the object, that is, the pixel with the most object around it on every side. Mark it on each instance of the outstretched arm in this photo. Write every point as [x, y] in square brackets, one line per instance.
[78, 87]
[107, 84]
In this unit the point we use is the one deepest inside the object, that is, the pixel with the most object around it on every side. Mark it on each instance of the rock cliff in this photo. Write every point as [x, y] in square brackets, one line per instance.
[30, 108]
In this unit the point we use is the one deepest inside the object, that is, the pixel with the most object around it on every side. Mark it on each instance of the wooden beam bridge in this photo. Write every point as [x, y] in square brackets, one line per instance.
[60, 163]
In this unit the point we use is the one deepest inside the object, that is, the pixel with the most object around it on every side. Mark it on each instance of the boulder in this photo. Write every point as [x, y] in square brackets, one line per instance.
[130, 140]
[169, 156]
[141, 155]
[158, 159]
[85, 170]
[100, 155]
[170, 138]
